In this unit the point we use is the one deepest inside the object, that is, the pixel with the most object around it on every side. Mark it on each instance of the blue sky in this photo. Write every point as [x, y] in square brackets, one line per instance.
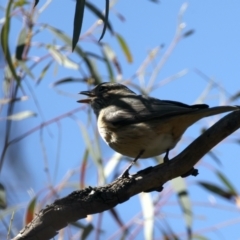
[213, 49]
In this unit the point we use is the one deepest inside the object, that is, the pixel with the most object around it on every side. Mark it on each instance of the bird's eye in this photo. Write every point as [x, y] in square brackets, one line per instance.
[101, 89]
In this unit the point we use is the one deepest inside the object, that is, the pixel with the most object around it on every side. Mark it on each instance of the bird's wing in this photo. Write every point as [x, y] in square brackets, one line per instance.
[135, 109]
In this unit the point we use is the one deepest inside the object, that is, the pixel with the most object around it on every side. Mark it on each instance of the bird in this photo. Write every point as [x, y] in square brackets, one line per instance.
[140, 126]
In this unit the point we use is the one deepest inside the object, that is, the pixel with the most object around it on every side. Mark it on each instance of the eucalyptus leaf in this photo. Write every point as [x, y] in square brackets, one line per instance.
[125, 48]
[21, 115]
[62, 59]
[105, 19]
[181, 189]
[5, 41]
[78, 19]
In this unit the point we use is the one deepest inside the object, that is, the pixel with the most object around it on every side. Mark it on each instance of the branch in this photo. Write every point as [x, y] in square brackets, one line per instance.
[90, 200]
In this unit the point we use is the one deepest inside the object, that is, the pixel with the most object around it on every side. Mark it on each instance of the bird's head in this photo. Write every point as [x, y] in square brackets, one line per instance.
[103, 95]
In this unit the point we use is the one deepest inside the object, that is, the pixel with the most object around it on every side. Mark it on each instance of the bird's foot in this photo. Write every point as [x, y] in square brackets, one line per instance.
[192, 171]
[166, 159]
[126, 174]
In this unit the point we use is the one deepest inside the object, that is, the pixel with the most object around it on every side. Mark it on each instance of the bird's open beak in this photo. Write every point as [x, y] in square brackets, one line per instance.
[90, 94]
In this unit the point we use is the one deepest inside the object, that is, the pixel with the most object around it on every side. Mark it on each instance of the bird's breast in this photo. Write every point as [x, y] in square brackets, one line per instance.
[129, 140]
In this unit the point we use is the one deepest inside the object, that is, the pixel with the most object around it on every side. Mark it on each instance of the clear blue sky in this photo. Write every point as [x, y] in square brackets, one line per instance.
[213, 49]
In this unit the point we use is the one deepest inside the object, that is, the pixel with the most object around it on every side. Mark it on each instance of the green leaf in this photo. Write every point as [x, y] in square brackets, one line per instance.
[216, 190]
[199, 237]
[108, 64]
[36, 3]
[225, 181]
[43, 72]
[20, 3]
[105, 19]
[125, 48]
[86, 231]
[5, 39]
[21, 115]
[111, 56]
[235, 96]
[96, 56]
[99, 15]
[30, 213]
[9, 100]
[62, 59]
[78, 19]
[21, 44]
[26, 69]
[78, 50]
[68, 80]
[188, 33]
[93, 152]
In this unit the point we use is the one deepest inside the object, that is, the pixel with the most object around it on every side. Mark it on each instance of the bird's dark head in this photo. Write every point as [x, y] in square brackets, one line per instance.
[105, 90]
[103, 94]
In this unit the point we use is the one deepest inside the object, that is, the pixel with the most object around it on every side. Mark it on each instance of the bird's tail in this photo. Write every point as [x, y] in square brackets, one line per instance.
[207, 112]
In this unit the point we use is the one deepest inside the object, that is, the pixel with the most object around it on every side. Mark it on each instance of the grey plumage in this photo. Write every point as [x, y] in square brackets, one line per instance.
[131, 123]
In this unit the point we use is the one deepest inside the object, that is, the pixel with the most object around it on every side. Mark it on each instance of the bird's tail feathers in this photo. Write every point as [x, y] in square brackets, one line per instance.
[207, 112]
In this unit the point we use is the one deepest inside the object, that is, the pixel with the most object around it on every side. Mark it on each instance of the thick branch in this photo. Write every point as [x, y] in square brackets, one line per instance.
[81, 203]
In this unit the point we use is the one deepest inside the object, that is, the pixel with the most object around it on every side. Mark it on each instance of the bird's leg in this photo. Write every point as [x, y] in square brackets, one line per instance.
[126, 172]
[166, 159]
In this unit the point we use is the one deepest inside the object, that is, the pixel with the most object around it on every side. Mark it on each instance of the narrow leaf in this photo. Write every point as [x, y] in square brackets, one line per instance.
[86, 231]
[62, 59]
[110, 54]
[235, 96]
[9, 100]
[225, 181]
[68, 80]
[21, 115]
[20, 3]
[125, 48]
[99, 15]
[26, 69]
[117, 218]
[181, 189]
[217, 190]
[108, 64]
[93, 151]
[105, 20]
[5, 39]
[83, 169]
[30, 213]
[44, 71]
[78, 50]
[3, 200]
[35, 3]
[21, 44]
[188, 33]
[78, 19]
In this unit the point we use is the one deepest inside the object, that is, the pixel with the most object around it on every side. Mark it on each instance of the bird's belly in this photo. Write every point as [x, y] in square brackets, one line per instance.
[129, 141]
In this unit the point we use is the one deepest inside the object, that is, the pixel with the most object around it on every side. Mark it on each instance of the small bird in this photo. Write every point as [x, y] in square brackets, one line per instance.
[140, 126]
